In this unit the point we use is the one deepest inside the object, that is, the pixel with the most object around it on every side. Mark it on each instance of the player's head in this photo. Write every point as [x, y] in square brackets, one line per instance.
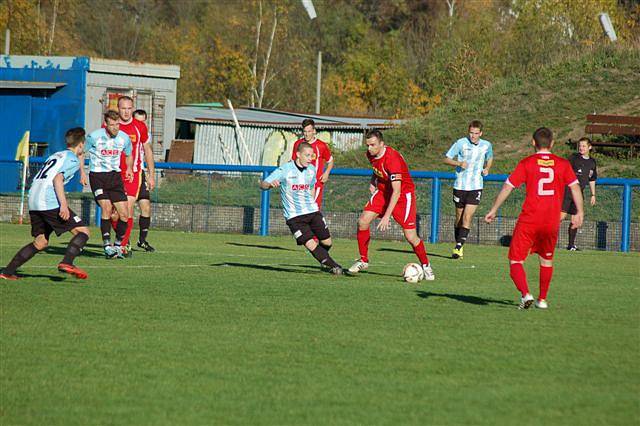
[112, 122]
[74, 138]
[125, 108]
[140, 114]
[475, 131]
[305, 154]
[543, 138]
[374, 141]
[309, 129]
[584, 145]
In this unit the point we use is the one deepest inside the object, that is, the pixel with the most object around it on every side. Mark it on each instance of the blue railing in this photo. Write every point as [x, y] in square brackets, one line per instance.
[436, 178]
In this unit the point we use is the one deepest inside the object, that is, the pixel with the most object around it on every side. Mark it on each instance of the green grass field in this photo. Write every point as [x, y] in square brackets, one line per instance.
[237, 329]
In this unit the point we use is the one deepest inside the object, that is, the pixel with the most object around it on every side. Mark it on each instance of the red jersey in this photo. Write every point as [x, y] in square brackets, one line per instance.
[139, 135]
[546, 176]
[321, 156]
[389, 167]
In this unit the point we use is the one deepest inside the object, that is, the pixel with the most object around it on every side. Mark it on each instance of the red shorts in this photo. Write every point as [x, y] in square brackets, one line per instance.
[404, 213]
[530, 238]
[132, 189]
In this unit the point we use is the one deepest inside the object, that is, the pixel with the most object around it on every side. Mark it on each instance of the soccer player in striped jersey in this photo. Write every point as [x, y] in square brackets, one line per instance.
[138, 189]
[49, 211]
[472, 157]
[297, 180]
[105, 147]
[546, 177]
[321, 157]
[392, 194]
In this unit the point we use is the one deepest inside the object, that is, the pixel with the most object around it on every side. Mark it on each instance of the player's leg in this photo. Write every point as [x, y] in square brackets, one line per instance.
[546, 272]
[417, 245]
[145, 224]
[105, 224]
[463, 231]
[458, 201]
[39, 243]
[74, 248]
[521, 243]
[364, 237]
[301, 229]
[123, 211]
[569, 209]
[131, 202]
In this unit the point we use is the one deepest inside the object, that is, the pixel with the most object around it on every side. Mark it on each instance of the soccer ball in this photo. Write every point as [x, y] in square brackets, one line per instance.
[412, 273]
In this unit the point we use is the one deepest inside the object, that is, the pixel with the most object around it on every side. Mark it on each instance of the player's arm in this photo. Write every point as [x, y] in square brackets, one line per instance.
[592, 187]
[487, 166]
[151, 166]
[384, 224]
[58, 187]
[273, 180]
[576, 194]
[372, 183]
[327, 171]
[500, 199]
[128, 152]
[450, 156]
[84, 180]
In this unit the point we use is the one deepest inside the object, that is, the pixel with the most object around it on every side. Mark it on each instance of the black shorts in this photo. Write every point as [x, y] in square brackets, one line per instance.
[462, 198]
[107, 186]
[568, 206]
[307, 226]
[47, 221]
[143, 194]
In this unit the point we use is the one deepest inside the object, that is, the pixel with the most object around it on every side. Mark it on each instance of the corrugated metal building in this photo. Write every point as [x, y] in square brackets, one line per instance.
[48, 95]
[217, 142]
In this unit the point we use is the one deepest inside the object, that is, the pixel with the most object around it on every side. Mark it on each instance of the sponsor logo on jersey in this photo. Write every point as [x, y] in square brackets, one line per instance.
[546, 163]
[133, 138]
[300, 187]
[110, 152]
[378, 172]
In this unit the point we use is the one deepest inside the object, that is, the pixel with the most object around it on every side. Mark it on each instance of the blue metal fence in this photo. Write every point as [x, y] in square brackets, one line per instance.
[435, 177]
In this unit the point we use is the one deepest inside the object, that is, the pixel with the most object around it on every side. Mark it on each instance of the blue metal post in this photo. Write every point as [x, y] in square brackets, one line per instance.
[435, 209]
[264, 209]
[626, 218]
[98, 215]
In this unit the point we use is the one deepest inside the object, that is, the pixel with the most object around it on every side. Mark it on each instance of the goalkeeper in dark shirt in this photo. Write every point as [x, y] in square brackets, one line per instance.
[585, 169]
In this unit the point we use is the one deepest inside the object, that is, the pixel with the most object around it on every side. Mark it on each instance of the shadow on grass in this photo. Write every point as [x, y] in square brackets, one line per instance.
[263, 267]
[262, 246]
[430, 254]
[55, 278]
[61, 251]
[473, 300]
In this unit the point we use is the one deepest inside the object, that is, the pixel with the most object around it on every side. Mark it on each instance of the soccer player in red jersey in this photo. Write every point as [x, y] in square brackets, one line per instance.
[546, 176]
[392, 194]
[321, 156]
[138, 190]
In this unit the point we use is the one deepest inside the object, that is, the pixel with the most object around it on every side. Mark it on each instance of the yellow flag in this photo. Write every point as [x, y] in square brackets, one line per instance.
[22, 152]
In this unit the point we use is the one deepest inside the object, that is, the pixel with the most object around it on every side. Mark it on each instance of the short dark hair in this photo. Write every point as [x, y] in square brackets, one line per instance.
[111, 115]
[125, 98]
[374, 133]
[543, 137]
[308, 122]
[303, 145]
[476, 124]
[74, 137]
[140, 112]
[584, 139]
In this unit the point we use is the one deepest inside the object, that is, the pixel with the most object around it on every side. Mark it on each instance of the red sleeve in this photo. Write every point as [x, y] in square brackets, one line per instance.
[144, 132]
[569, 175]
[519, 175]
[326, 153]
[294, 153]
[394, 166]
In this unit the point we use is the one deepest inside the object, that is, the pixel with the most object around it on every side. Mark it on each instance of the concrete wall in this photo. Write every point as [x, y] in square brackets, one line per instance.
[246, 220]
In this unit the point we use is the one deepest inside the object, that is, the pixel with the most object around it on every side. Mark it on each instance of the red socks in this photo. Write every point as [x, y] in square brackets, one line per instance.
[519, 278]
[545, 279]
[363, 244]
[421, 252]
[127, 234]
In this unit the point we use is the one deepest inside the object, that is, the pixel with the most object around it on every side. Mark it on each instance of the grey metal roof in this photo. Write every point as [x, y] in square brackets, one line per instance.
[26, 85]
[274, 118]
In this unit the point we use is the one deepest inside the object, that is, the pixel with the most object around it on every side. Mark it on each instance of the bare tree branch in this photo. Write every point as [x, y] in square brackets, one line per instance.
[52, 32]
[267, 57]
[254, 68]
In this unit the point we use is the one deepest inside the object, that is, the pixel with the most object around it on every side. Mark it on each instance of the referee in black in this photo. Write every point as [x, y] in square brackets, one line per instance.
[585, 169]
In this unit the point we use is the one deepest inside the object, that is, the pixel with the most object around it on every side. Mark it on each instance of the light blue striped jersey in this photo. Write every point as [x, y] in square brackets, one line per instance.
[296, 189]
[104, 151]
[470, 179]
[42, 195]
